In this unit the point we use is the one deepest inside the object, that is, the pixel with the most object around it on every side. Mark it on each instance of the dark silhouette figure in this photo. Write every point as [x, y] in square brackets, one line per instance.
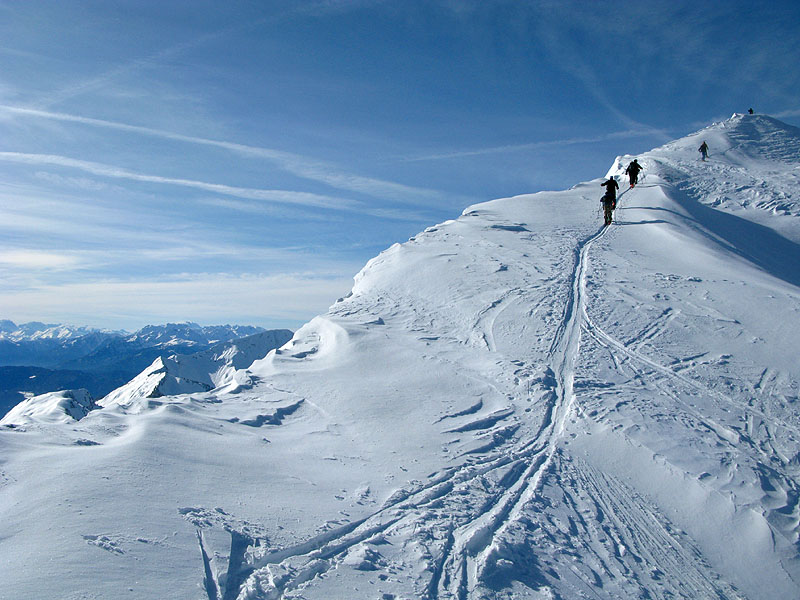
[609, 199]
[633, 171]
[750, 110]
[611, 186]
[703, 149]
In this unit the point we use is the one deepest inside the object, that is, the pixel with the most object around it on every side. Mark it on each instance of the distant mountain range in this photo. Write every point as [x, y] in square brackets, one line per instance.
[68, 347]
[38, 358]
[41, 331]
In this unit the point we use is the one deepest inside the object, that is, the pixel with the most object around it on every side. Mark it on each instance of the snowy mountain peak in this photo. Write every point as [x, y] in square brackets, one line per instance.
[35, 330]
[220, 366]
[751, 173]
[741, 140]
[518, 403]
[188, 332]
[66, 406]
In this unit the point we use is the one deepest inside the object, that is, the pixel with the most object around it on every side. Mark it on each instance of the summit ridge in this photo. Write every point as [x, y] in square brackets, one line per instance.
[516, 403]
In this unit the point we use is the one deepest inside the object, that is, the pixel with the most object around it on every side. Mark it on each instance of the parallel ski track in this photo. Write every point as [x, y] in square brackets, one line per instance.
[456, 570]
[760, 459]
[607, 340]
[464, 545]
[473, 540]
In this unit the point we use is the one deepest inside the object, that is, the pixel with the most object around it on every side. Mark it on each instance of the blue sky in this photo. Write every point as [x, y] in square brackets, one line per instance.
[239, 162]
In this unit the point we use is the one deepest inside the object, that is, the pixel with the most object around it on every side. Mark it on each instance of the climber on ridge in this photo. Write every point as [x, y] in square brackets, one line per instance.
[703, 149]
[609, 200]
[633, 171]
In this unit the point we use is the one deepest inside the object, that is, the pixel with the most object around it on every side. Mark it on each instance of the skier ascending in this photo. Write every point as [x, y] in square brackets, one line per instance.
[633, 171]
[703, 149]
[609, 200]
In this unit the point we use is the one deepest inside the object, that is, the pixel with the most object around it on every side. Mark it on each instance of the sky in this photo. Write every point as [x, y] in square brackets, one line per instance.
[239, 162]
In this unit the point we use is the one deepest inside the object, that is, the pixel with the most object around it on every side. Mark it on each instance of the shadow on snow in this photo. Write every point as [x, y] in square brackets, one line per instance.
[759, 245]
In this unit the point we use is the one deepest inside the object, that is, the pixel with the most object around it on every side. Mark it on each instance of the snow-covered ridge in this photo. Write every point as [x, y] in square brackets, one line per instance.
[148, 335]
[105, 359]
[518, 403]
[173, 333]
[35, 330]
[64, 406]
[221, 366]
[753, 164]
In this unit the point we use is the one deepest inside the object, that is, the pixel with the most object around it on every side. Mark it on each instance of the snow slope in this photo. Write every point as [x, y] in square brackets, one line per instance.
[517, 403]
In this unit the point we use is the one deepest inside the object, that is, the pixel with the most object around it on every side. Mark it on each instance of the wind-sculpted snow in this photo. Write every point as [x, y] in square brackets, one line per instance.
[518, 403]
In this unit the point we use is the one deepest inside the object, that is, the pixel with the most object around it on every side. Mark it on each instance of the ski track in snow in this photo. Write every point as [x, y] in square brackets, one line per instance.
[471, 539]
[466, 549]
[471, 542]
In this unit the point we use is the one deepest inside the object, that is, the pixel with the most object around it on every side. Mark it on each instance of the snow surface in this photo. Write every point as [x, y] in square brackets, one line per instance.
[518, 403]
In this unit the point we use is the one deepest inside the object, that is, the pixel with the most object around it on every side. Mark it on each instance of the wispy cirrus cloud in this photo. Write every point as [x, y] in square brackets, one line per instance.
[83, 183]
[103, 170]
[648, 131]
[566, 52]
[101, 235]
[788, 113]
[298, 165]
[24, 265]
[153, 60]
[38, 260]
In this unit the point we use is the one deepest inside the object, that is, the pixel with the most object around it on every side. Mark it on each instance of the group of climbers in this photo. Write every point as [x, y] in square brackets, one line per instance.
[609, 199]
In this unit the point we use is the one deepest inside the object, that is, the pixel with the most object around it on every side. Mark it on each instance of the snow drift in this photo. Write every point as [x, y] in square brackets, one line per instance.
[516, 403]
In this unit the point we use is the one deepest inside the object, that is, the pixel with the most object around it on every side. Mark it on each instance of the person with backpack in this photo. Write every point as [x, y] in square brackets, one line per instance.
[609, 199]
[703, 149]
[633, 171]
